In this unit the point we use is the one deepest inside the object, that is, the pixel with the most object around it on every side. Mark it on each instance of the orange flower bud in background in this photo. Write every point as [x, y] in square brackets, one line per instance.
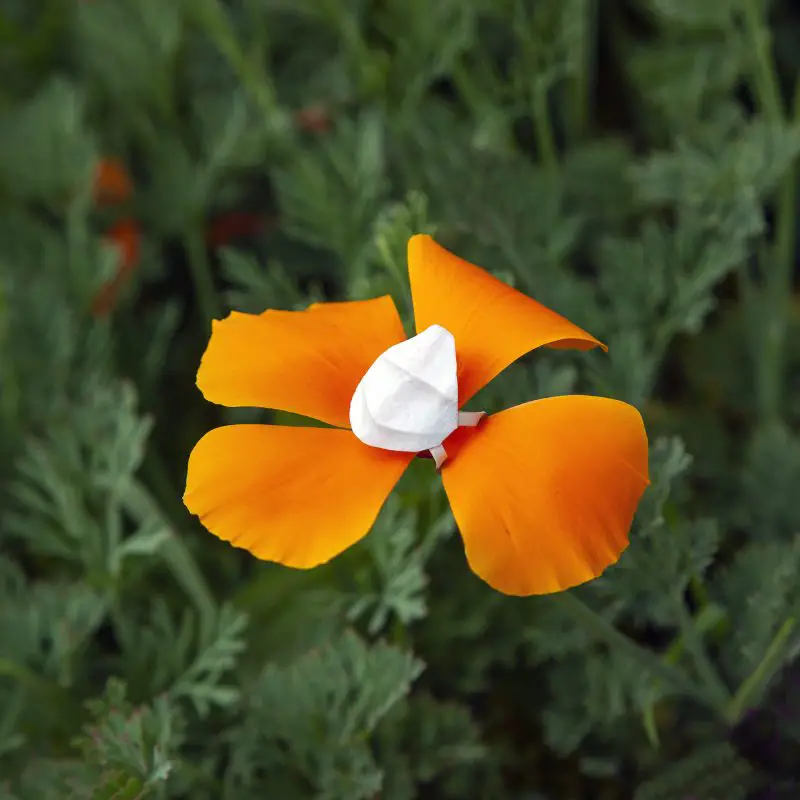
[112, 184]
[126, 236]
[314, 119]
[225, 228]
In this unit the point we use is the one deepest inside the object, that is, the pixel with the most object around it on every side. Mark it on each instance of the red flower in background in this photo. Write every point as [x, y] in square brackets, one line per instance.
[233, 225]
[126, 237]
[313, 119]
[113, 186]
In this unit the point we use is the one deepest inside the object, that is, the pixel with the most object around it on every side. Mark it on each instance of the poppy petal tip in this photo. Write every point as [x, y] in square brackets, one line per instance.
[417, 242]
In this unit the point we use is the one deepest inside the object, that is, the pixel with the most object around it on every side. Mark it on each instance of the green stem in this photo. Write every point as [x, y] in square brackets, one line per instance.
[779, 284]
[143, 508]
[11, 400]
[212, 18]
[601, 629]
[581, 95]
[778, 291]
[695, 646]
[161, 486]
[30, 680]
[10, 33]
[778, 262]
[544, 130]
[399, 277]
[751, 687]
[710, 620]
[201, 276]
[765, 75]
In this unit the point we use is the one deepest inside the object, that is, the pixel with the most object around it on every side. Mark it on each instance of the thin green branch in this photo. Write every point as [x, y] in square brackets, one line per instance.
[777, 261]
[715, 687]
[751, 688]
[765, 75]
[22, 675]
[581, 81]
[201, 277]
[213, 19]
[544, 129]
[779, 276]
[598, 627]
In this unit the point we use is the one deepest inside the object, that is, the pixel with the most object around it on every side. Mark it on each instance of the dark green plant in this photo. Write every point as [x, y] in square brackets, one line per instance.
[631, 164]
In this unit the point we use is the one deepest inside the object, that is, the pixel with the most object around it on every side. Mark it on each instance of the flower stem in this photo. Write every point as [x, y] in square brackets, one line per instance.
[55, 694]
[544, 129]
[598, 627]
[201, 276]
[695, 646]
[779, 284]
[765, 76]
[778, 260]
[581, 82]
[750, 688]
[213, 19]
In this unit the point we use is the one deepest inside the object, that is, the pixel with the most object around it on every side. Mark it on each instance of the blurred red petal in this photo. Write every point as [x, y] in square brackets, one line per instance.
[112, 184]
[236, 225]
[125, 235]
[314, 119]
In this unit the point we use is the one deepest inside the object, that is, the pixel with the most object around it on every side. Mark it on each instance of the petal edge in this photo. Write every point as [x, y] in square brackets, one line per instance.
[296, 496]
[544, 493]
[305, 362]
[493, 323]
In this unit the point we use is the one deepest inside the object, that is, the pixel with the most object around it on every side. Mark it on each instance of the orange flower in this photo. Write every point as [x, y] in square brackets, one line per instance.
[111, 182]
[543, 493]
[314, 119]
[112, 186]
[222, 230]
[125, 236]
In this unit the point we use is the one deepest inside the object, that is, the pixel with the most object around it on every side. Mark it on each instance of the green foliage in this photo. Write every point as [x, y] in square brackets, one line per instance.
[772, 470]
[711, 774]
[666, 553]
[331, 192]
[631, 165]
[392, 586]
[315, 718]
[123, 753]
[760, 590]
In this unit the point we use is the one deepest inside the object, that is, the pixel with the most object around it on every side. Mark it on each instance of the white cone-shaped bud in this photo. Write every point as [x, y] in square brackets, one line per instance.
[408, 399]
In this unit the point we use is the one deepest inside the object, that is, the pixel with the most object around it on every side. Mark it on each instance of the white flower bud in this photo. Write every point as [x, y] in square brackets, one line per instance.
[408, 399]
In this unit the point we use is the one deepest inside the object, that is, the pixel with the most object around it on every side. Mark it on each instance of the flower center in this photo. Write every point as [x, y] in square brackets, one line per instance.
[408, 399]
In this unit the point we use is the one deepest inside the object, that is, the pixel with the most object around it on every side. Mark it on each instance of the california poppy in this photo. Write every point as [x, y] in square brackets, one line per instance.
[225, 228]
[315, 119]
[543, 493]
[112, 184]
[126, 237]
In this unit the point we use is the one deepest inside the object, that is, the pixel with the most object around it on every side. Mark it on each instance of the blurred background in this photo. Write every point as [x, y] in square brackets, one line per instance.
[629, 163]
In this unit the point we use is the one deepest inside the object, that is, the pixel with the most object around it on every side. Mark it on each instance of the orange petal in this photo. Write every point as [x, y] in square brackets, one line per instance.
[298, 496]
[544, 493]
[305, 362]
[492, 323]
